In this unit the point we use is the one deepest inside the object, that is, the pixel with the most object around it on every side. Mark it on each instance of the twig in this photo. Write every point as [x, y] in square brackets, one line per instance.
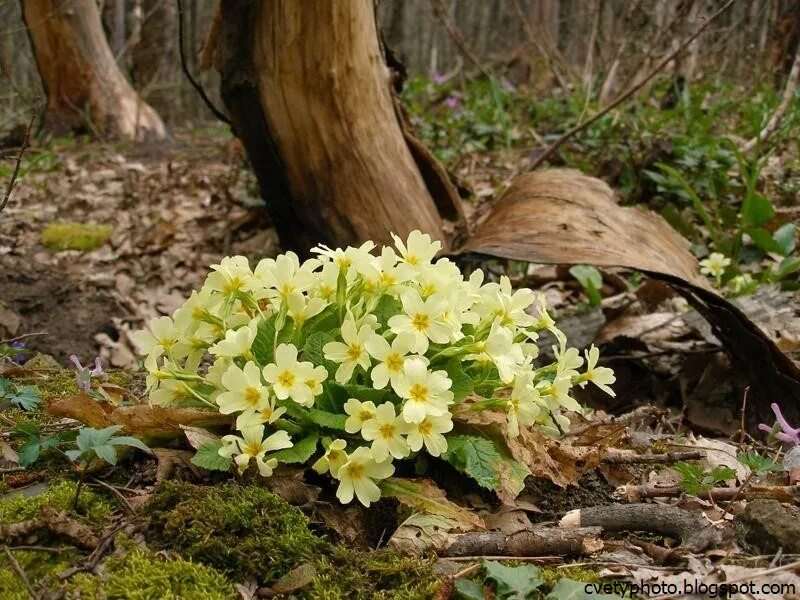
[94, 558]
[195, 84]
[544, 559]
[18, 164]
[117, 493]
[440, 10]
[616, 456]
[775, 120]
[467, 571]
[784, 493]
[581, 126]
[20, 573]
[22, 337]
[41, 549]
[530, 542]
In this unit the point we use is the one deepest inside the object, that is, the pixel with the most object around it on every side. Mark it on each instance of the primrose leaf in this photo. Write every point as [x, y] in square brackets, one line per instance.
[326, 419]
[263, 346]
[29, 452]
[126, 440]
[462, 383]
[466, 589]
[489, 465]
[513, 583]
[312, 350]
[387, 307]
[207, 457]
[300, 452]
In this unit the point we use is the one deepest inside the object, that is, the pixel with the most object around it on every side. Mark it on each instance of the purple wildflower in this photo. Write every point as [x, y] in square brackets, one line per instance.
[83, 375]
[20, 356]
[453, 101]
[789, 434]
[439, 78]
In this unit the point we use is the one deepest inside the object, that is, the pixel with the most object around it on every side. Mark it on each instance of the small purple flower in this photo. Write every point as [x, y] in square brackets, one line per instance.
[453, 101]
[439, 78]
[83, 375]
[20, 356]
[789, 434]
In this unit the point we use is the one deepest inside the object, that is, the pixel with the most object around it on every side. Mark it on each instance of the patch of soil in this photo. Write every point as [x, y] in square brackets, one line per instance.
[554, 501]
[69, 311]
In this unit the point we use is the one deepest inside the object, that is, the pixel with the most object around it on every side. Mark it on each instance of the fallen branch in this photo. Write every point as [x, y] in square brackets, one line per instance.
[635, 88]
[693, 530]
[535, 542]
[774, 122]
[616, 456]
[57, 523]
[783, 493]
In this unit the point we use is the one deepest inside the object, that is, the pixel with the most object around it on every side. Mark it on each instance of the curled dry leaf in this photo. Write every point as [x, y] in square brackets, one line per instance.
[425, 496]
[144, 421]
[561, 216]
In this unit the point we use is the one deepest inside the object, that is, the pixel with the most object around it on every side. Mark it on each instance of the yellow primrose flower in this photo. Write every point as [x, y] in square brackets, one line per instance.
[602, 377]
[715, 265]
[522, 407]
[426, 393]
[351, 352]
[428, 432]
[237, 342]
[334, 457]
[288, 376]
[391, 358]
[252, 446]
[245, 391]
[385, 430]
[357, 477]
[358, 413]
[422, 319]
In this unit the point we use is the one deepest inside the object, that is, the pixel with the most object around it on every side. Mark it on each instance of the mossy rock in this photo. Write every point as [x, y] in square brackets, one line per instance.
[248, 532]
[142, 575]
[92, 507]
[75, 236]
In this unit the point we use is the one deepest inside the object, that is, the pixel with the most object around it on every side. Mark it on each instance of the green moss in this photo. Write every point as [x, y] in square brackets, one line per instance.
[246, 531]
[41, 569]
[60, 495]
[551, 575]
[142, 575]
[75, 236]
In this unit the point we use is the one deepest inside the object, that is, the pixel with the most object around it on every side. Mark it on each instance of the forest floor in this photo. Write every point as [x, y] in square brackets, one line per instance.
[671, 492]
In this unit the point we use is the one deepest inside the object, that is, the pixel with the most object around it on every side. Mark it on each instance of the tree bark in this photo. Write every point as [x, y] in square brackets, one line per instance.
[86, 91]
[155, 53]
[312, 99]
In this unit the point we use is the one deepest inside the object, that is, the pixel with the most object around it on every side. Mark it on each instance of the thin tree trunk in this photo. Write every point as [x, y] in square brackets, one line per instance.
[317, 116]
[85, 88]
[155, 53]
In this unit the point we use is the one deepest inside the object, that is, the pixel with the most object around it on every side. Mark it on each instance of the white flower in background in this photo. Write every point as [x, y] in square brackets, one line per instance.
[230, 276]
[441, 278]
[288, 376]
[237, 342]
[245, 391]
[385, 430]
[523, 407]
[422, 319]
[715, 265]
[602, 377]
[301, 308]
[350, 353]
[391, 358]
[500, 349]
[416, 252]
[252, 446]
[357, 414]
[335, 456]
[426, 393]
[428, 432]
[358, 475]
[161, 336]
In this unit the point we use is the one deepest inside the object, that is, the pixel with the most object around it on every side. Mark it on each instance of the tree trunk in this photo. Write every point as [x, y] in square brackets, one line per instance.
[312, 99]
[155, 54]
[86, 91]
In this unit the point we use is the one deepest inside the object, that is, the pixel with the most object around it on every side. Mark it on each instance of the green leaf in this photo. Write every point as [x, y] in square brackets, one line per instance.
[29, 452]
[789, 265]
[756, 210]
[126, 440]
[756, 463]
[591, 280]
[763, 239]
[207, 457]
[89, 437]
[5, 387]
[362, 392]
[312, 350]
[300, 452]
[488, 464]
[785, 237]
[425, 496]
[466, 589]
[326, 419]
[107, 452]
[513, 583]
[26, 397]
[263, 346]
[388, 306]
[462, 383]
[569, 589]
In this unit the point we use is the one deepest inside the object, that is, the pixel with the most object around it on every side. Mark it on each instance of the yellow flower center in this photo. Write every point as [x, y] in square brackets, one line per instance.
[311, 383]
[394, 362]
[354, 351]
[425, 428]
[252, 396]
[365, 414]
[418, 393]
[286, 379]
[286, 289]
[233, 285]
[388, 280]
[420, 321]
[252, 449]
[356, 470]
[412, 259]
[386, 431]
[429, 289]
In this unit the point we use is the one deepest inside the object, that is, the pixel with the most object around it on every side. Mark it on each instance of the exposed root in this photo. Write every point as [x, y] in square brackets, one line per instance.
[57, 523]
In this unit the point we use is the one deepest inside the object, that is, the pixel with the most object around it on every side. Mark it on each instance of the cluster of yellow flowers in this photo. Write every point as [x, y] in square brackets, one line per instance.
[364, 353]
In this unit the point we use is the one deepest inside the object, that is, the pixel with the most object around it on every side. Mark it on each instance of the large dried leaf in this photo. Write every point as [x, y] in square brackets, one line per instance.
[561, 216]
[152, 422]
[425, 496]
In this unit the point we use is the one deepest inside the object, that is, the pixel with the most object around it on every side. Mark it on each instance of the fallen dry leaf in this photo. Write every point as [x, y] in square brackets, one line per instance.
[425, 496]
[562, 216]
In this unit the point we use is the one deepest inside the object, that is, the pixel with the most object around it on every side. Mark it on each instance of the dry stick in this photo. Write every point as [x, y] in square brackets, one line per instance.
[20, 573]
[440, 10]
[775, 120]
[15, 174]
[549, 60]
[117, 493]
[784, 493]
[581, 126]
[630, 457]
[21, 337]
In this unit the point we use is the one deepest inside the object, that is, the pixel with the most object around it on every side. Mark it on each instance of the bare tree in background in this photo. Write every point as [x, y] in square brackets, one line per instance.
[156, 52]
[86, 91]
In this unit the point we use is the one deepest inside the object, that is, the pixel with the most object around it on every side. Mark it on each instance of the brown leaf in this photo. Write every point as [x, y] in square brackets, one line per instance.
[425, 496]
[140, 420]
[561, 216]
